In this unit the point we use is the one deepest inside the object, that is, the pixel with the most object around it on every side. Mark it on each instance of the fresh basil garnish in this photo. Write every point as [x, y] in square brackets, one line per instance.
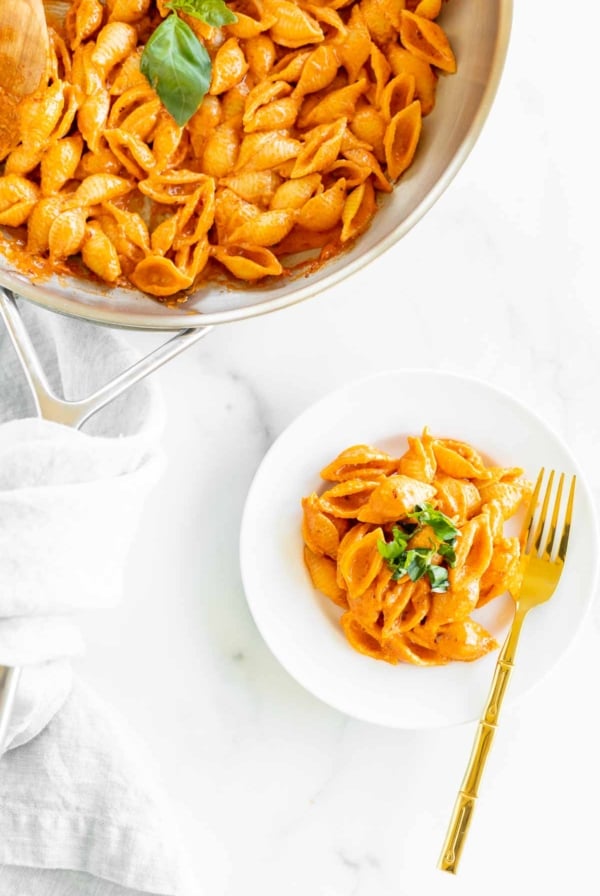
[213, 12]
[175, 61]
[416, 562]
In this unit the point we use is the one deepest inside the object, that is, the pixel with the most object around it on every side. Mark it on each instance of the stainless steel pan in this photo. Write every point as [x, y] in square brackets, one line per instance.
[479, 31]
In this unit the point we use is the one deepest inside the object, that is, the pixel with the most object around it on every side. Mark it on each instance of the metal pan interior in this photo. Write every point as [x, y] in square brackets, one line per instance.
[479, 33]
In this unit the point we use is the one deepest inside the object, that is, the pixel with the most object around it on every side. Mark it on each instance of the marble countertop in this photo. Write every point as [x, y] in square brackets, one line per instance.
[276, 792]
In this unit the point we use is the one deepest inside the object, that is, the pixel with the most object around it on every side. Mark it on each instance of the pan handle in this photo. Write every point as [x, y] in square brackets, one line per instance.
[71, 413]
[74, 413]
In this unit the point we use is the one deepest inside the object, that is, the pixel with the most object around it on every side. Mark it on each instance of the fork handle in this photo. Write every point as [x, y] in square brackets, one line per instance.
[464, 805]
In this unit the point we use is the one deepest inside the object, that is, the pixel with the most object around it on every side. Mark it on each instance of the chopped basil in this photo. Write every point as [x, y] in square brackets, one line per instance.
[443, 527]
[416, 562]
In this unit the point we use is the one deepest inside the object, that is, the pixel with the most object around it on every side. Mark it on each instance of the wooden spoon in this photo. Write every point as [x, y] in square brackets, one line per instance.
[23, 61]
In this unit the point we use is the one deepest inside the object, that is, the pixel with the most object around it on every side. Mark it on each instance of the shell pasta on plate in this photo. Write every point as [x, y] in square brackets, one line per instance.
[410, 546]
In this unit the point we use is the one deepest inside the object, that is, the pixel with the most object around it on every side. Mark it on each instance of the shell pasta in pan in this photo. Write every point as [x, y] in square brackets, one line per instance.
[173, 144]
[410, 546]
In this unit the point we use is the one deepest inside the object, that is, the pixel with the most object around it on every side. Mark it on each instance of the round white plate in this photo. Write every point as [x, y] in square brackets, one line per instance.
[301, 626]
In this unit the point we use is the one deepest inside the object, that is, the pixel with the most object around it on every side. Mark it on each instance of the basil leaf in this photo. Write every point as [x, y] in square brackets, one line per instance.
[448, 553]
[417, 564]
[178, 67]
[389, 550]
[442, 526]
[438, 578]
[213, 12]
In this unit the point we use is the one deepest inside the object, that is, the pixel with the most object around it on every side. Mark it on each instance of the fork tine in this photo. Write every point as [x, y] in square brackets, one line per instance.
[547, 554]
[537, 538]
[562, 548]
[528, 522]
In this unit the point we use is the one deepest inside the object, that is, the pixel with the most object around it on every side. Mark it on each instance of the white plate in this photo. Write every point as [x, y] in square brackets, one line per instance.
[300, 625]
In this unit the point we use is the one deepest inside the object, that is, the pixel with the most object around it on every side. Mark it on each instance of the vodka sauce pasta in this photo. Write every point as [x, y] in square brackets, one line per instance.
[293, 119]
[408, 547]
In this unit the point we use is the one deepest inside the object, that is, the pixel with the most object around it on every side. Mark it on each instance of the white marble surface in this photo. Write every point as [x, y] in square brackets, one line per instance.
[276, 792]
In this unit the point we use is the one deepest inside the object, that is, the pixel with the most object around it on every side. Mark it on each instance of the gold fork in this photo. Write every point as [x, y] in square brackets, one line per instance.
[544, 542]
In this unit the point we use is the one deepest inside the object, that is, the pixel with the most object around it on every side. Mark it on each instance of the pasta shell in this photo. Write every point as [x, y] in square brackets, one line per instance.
[127, 74]
[102, 162]
[354, 49]
[463, 641]
[67, 233]
[92, 117]
[429, 9]
[320, 149]
[258, 187]
[358, 462]
[404, 62]
[251, 19]
[319, 530]
[459, 459]
[503, 572]
[358, 211]
[397, 94]
[99, 188]
[82, 21]
[336, 105]
[458, 498]
[266, 149]
[405, 604]
[322, 571]
[278, 114]
[360, 639]
[427, 40]
[366, 159]
[293, 27]
[135, 155]
[473, 553]
[59, 163]
[319, 69]
[248, 262]
[17, 197]
[99, 254]
[171, 188]
[203, 122]
[159, 277]
[221, 151]
[508, 496]
[381, 19]
[228, 67]
[193, 258]
[132, 224]
[394, 498]
[38, 225]
[261, 55]
[295, 193]
[418, 461]
[115, 41]
[360, 562]
[369, 124]
[40, 114]
[346, 498]
[401, 139]
[266, 229]
[129, 11]
[324, 210]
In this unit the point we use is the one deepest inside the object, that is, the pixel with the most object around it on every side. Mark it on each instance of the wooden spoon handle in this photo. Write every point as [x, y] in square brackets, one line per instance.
[23, 46]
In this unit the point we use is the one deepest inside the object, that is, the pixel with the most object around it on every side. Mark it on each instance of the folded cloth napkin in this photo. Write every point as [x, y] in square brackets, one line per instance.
[82, 814]
[70, 503]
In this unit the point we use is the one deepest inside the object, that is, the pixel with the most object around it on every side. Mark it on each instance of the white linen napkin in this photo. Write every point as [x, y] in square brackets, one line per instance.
[74, 796]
